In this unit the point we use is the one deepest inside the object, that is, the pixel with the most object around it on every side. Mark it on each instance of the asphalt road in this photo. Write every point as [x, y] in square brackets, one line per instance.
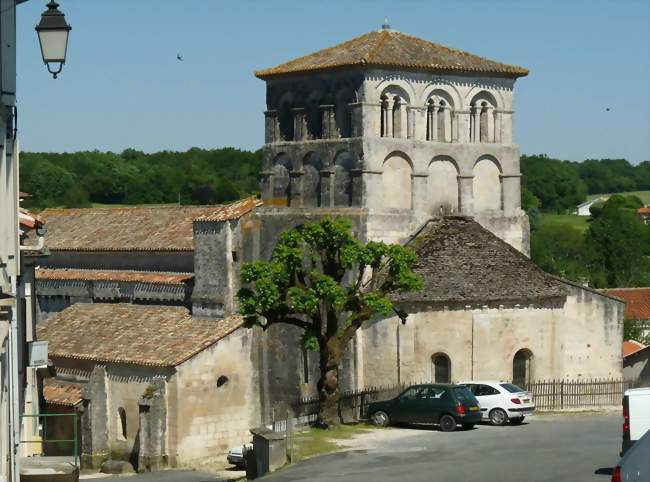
[563, 448]
[567, 448]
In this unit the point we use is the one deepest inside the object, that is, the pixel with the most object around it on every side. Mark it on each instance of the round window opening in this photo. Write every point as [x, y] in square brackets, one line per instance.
[221, 381]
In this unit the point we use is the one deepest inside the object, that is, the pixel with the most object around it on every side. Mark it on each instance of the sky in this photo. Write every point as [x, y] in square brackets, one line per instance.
[122, 85]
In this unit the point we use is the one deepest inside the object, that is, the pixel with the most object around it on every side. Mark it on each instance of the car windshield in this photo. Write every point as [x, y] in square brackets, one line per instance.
[512, 388]
[464, 395]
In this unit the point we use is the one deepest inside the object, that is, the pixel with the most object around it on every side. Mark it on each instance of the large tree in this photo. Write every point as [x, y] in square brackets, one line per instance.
[325, 282]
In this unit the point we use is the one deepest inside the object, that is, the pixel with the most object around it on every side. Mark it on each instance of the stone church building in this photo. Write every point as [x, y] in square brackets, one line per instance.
[410, 140]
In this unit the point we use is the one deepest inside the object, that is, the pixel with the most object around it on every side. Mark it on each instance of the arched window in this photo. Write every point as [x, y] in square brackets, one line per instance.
[121, 424]
[441, 368]
[311, 181]
[343, 113]
[443, 187]
[314, 119]
[522, 368]
[397, 182]
[285, 117]
[343, 183]
[483, 123]
[440, 117]
[487, 186]
[281, 181]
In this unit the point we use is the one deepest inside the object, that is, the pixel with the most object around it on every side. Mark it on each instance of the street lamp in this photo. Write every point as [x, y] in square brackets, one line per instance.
[53, 34]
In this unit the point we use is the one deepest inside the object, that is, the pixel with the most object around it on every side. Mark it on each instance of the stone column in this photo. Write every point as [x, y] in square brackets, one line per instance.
[434, 123]
[453, 116]
[511, 190]
[466, 193]
[463, 125]
[356, 119]
[295, 190]
[299, 124]
[357, 186]
[272, 126]
[497, 126]
[506, 127]
[327, 112]
[327, 188]
[476, 116]
[94, 420]
[266, 184]
[446, 115]
[410, 121]
[388, 123]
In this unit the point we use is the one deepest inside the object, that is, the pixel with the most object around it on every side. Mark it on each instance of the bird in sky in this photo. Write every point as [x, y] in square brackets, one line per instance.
[607, 109]
[179, 57]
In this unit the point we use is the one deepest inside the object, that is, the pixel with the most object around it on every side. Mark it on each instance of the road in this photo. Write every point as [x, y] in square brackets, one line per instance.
[551, 448]
[571, 448]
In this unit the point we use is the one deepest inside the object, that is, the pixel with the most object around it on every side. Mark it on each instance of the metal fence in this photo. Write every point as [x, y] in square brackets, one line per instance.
[548, 395]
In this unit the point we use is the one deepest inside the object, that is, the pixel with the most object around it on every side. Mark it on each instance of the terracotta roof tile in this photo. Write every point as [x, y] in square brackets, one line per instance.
[637, 301]
[158, 228]
[644, 210]
[630, 347]
[389, 48]
[162, 336]
[232, 211]
[57, 392]
[462, 262]
[152, 277]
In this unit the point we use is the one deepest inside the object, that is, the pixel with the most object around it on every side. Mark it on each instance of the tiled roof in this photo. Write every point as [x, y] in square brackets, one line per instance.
[153, 277]
[148, 335]
[630, 347]
[463, 263]
[57, 392]
[232, 211]
[29, 219]
[389, 48]
[644, 210]
[637, 299]
[159, 228]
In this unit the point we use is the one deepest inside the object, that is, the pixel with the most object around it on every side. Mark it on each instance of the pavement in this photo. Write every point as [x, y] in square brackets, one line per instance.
[549, 448]
[173, 476]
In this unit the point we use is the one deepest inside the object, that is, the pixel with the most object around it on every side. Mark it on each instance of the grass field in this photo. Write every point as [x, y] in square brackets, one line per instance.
[643, 195]
[578, 222]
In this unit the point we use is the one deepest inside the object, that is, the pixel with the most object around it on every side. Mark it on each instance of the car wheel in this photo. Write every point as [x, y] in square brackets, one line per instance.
[498, 417]
[517, 421]
[380, 418]
[447, 423]
[468, 426]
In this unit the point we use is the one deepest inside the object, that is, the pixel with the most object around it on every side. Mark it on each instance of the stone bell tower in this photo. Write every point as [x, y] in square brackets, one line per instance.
[400, 127]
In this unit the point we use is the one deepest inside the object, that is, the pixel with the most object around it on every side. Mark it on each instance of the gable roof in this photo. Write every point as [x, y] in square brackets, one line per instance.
[143, 228]
[630, 347]
[389, 48]
[462, 262]
[161, 336]
[637, 302]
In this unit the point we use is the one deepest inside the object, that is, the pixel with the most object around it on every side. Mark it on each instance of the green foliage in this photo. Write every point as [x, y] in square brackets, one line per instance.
[321, 275]
[633, 331]
[197, 176]
[612, 252]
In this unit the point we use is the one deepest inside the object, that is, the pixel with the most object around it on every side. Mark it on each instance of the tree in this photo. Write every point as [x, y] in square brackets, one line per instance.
[632, 330]
[325, 282]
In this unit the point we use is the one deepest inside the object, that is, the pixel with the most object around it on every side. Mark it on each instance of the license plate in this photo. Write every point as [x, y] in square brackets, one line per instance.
[473, 409]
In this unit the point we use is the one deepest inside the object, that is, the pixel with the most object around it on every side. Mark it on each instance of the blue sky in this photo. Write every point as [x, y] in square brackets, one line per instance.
[123, 87]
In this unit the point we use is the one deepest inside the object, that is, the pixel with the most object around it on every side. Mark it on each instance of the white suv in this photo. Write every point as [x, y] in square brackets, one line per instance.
[501, 402]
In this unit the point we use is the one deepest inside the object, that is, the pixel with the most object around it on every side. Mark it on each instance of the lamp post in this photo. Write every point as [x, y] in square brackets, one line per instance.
[53, 33]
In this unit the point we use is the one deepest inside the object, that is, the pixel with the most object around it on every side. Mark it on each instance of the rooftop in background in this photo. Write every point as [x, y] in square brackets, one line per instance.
[57, 392]
[630, 347]
[162, 336]
[637, 299]
[142, 228]
[478, 267]
[391, 49]
[152, 277]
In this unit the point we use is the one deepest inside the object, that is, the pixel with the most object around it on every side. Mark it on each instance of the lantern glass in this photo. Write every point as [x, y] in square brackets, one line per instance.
[54, 44]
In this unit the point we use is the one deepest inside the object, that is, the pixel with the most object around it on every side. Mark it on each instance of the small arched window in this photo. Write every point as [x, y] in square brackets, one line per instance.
[384, 116]
[441, 368]
[522, 368]
[121, 424]
[398, 115]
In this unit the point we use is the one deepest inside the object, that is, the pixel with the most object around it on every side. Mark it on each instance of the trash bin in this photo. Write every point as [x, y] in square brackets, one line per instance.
[270, 451]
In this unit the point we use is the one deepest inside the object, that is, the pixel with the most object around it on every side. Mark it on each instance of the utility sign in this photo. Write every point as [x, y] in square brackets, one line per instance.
[38, 353]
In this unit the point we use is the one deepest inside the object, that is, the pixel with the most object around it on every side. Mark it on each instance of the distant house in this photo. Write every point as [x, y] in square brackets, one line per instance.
[644, 214]
[636, 361]
[583, 209]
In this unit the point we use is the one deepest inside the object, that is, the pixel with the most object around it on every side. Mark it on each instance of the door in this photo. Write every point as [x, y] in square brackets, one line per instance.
[487, 396]
[408, 407]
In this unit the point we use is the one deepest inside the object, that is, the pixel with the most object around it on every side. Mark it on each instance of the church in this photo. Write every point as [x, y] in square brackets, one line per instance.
[410, 140]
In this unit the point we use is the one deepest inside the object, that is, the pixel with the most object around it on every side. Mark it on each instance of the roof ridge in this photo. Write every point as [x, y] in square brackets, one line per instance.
[130, 208]
[382, 36]
[52, 268]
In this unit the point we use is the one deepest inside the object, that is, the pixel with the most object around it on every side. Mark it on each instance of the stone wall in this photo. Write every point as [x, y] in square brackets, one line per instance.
[580, 339]
[213, 401]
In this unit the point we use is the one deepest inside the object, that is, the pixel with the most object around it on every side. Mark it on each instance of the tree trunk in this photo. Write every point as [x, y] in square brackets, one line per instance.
[328, 385]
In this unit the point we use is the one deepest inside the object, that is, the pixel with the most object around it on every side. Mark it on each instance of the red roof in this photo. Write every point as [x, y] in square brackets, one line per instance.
[57, 392]
[637, 299]
[630, 347]
[153, 277]
[645, 210]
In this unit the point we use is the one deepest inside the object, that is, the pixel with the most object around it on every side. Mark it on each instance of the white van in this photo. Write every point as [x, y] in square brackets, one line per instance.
[636, 415]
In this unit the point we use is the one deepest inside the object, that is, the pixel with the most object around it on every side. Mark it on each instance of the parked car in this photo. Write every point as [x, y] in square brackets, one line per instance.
[441, 404]
[236, 455]
[501, 402]
[636, 416]
[635, 464]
